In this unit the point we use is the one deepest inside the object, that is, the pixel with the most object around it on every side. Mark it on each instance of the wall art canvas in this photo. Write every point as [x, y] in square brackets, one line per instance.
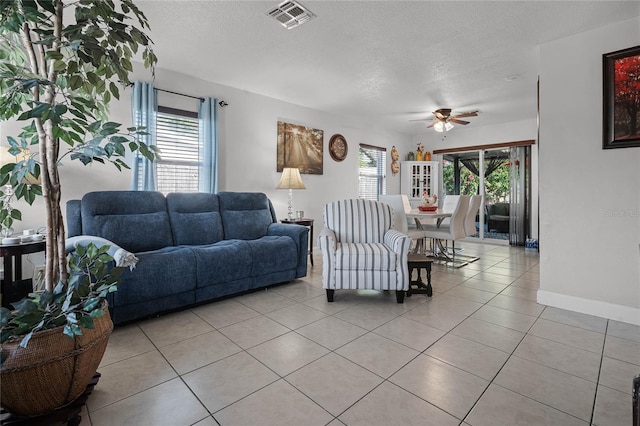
[621, 98]
[301, 147]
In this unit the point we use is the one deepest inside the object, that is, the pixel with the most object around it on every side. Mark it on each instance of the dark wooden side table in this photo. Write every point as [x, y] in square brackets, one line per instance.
[13, 287]
[419, 261]
[308, 223]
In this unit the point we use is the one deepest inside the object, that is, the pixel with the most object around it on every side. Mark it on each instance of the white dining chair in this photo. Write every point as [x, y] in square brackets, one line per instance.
[470, 226]
[401, 206]
[449, 204]
[452, 232]
[470, 220]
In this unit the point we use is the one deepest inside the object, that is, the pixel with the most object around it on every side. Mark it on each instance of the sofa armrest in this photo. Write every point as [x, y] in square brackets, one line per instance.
[397, 241]
[297, 232]
[121, 257]
[300, 235]
[400, 243]
[327, 241]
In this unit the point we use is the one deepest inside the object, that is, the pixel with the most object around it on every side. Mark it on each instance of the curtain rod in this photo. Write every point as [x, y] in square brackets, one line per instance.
[181, 94]
[221, 102]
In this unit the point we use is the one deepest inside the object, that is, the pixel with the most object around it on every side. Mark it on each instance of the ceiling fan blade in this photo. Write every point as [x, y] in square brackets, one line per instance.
[454, 120]
[466, 114]
[439, 115]
[432, 124]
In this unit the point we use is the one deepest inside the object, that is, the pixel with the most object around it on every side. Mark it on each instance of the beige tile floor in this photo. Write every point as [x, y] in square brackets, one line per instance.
[481, 351]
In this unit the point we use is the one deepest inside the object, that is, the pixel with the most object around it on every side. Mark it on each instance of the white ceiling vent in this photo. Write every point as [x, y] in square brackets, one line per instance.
[290, 14]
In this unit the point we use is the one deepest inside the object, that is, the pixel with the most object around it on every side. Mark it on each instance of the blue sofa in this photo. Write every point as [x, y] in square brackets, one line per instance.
[192, 247]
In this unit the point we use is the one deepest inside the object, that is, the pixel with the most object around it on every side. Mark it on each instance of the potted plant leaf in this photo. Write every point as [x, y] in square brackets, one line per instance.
[61, 63]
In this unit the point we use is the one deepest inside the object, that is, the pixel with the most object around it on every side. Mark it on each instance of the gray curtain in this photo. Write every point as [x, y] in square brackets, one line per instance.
[519, 183]
[490, 166]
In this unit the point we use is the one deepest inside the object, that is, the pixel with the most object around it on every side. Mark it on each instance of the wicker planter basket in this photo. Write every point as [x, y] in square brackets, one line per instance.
[53, 370]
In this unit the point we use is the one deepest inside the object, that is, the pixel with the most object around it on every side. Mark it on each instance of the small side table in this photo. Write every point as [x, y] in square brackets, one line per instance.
[419, 261]
[13, 287]
[308, 223]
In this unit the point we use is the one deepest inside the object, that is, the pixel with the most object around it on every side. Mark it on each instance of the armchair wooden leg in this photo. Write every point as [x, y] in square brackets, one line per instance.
[330, 295]
[400, 296]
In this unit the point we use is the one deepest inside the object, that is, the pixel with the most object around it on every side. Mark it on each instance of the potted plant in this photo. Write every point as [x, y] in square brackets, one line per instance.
[59, 70]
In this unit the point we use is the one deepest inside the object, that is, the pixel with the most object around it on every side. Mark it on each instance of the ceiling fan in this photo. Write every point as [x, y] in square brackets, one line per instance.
[442, 121]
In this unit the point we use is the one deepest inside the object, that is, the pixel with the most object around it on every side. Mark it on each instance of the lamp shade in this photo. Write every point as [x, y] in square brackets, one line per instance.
[290, 179]
[442, 126]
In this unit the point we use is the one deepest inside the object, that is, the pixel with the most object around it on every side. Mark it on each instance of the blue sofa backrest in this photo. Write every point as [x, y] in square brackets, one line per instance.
[135, 220]
[195, 218]
[245, 215]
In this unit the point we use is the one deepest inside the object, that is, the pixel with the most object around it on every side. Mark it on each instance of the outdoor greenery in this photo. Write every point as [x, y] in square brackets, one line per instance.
[496, 184]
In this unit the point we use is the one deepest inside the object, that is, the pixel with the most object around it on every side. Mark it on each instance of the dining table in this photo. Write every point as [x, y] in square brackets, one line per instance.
[438, 214]
[437, 248]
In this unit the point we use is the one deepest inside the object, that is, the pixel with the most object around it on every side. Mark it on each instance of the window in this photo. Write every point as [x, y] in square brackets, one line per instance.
[372, 166]
[177, 139]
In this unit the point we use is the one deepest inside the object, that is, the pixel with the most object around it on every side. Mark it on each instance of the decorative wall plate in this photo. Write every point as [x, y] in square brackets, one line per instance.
[338, 147]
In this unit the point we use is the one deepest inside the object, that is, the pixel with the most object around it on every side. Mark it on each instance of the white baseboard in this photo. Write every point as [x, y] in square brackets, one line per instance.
[590, 307]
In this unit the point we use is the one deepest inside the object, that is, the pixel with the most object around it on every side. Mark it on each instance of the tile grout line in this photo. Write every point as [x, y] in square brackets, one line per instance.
[595, 394]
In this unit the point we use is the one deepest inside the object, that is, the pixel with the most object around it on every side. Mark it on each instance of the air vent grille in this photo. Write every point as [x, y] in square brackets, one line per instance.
[290, 14]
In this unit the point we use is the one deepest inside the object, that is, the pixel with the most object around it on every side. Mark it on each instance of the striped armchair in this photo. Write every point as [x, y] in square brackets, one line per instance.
[360, 250]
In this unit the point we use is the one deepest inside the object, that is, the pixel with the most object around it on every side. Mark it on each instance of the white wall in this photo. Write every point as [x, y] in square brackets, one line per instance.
[247, 153]
[589, 198]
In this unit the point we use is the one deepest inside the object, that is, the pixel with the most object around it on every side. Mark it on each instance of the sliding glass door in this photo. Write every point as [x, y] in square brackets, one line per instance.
[501, 176]
[461, 177]
[497, 193]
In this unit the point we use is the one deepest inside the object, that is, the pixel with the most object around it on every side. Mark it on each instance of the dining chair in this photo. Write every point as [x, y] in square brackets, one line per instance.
[452, 232]
[470, 226]
[449, 204]
[401, 206]
[470, 220]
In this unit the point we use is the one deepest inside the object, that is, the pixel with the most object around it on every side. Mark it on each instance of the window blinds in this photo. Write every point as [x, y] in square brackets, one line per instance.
[372, 167]
[177, 140]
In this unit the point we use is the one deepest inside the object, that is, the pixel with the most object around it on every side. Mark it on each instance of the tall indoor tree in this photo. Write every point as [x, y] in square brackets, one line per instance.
[61, 63]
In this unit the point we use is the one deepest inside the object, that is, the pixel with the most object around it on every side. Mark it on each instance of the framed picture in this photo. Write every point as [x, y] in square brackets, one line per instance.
[301, 147]
[621, 98]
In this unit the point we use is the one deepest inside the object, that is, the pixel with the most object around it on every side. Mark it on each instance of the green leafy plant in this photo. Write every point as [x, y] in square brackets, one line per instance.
[58, 72]
[74, 306]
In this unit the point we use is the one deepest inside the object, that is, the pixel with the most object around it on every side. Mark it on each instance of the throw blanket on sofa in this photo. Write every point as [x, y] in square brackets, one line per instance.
[122, 257]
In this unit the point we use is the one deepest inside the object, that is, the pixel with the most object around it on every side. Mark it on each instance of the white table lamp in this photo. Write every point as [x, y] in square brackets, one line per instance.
[290, 180]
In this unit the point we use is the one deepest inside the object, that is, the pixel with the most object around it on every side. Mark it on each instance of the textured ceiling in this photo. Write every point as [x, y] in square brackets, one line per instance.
[383, 62]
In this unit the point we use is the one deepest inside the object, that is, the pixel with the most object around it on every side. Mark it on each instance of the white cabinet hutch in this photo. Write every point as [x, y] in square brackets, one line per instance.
[416, 176]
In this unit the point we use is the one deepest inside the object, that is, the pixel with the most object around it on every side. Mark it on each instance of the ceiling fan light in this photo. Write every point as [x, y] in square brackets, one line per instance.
[439, 127]
[448, 126]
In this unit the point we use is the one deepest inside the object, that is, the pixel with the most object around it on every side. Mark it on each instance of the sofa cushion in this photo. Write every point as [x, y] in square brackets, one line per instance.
[195, 218]
[363, 256]
[273, 254]
[159, 273]
[135, 220]
[74, 219]
[245, 215]
[225, 261]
